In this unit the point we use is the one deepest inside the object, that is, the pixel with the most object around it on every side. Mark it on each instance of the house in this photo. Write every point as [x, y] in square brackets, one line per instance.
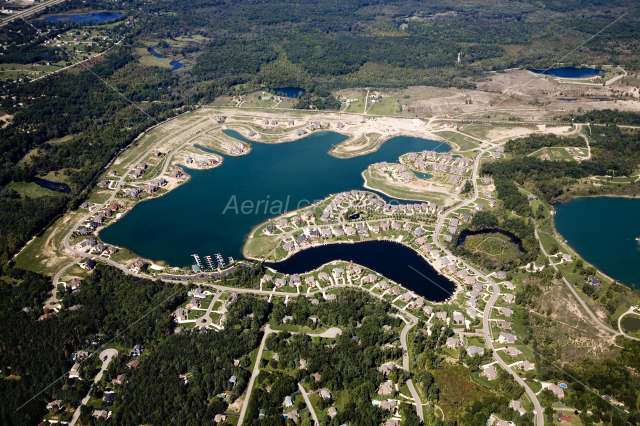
[469, 279]
[442, 316]
[492, 202]
[136, 351]
[316, 376]
[509, 285]
[325, 394]
[323, 276]
[233, 380]
[505, 325]
[428, 310]
[118, 380]
[331, 297]
[472, 312]
[74, 373]
[337, 272]
[406, 297]
[181, 315]
[332, 412]
[293, 416]
[281, 282]
[133, 364]
[385, 388]
[474, 350]
[509, 298]
[526, 365]
[104, 183]
[54, 405]
[452, 268]
[101, 413]
[517, 405]
[287, 401]
[507, 337]
[566, 258]
[594, 282]
[557, 390]
[295, 280]
[512, 351]
[458, 318]
[109, 397]
[386, 368]
[356, 339]
[137, 265]
[388, 404]
[90, 264]
[562, 418]
[506, 312]
[453, 343]
[489, 371]
[501, 275]
[287, 318]
[392, 422]
[310, 281]
[290, 246]
[219, 418]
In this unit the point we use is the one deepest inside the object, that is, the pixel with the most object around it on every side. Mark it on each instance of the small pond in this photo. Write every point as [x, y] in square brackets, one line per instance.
[290, 92]
[571, 72]
[175, 64]
[422, 175]
[631, 323]
[53, 186]
[91, 18]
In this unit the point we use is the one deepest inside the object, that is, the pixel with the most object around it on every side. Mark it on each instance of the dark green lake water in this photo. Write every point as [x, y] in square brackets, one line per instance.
[192, 219]
[603, 231]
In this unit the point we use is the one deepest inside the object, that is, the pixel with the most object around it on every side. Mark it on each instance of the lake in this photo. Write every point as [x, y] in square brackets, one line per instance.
[53, 186]
[290, 92]
[571, 72]
[176, 65]
[205, 216]
[86, 17]
[603, 231]
[393, 260]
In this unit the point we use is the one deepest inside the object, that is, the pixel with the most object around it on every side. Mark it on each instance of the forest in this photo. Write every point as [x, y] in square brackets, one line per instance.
[614, 151]
[38, 353]
[346, 366]
[533, 143]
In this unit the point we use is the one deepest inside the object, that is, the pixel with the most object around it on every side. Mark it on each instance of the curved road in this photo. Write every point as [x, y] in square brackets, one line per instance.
[106, 356]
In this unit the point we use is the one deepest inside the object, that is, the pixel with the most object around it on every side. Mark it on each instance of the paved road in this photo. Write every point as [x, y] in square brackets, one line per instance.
[308, 402]
[486, 329]
[54, 297]
[106, 356]
[254, 374]
[36, 8]
[406, 363]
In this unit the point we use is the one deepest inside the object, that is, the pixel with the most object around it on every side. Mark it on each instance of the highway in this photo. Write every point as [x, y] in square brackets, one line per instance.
[36, 8]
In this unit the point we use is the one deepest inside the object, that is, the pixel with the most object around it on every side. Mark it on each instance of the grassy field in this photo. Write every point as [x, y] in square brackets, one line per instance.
[356, 107]
[259, 247]
[464, 142]
[32, 190]
[150, 60]
[378, 182]
[457, 389]
[555, 153]
[385, 107]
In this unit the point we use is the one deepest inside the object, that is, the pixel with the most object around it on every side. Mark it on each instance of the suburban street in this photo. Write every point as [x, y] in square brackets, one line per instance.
[106, 356]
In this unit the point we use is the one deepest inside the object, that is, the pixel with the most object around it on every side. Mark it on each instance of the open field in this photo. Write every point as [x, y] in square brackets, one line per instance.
[464, 142]
[385, 107]
[32, 189]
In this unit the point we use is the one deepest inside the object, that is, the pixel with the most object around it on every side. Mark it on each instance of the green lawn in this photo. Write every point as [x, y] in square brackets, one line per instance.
[356, 107]
[32, 190]
[385, 107]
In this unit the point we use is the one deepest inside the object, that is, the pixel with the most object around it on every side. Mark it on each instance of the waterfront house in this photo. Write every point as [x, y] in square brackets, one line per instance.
[280, 282]
[137, 265]
[337, 272]
[323, 276]
[310, 281]
[396, 226]
[406, 297]
[294, 280]
[302, 239]
[370, 278]
[290, 246]
[383, 285]
[428, 310]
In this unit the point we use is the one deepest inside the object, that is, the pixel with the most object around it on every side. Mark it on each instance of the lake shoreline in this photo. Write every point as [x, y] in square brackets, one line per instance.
[457, 286]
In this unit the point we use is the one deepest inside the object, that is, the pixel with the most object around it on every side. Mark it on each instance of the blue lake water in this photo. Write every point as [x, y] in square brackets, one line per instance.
[86, 17]
[290, 92]
[603, 231]
[394, 261]
[176, 65]
[571, 72]
[205, 216]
